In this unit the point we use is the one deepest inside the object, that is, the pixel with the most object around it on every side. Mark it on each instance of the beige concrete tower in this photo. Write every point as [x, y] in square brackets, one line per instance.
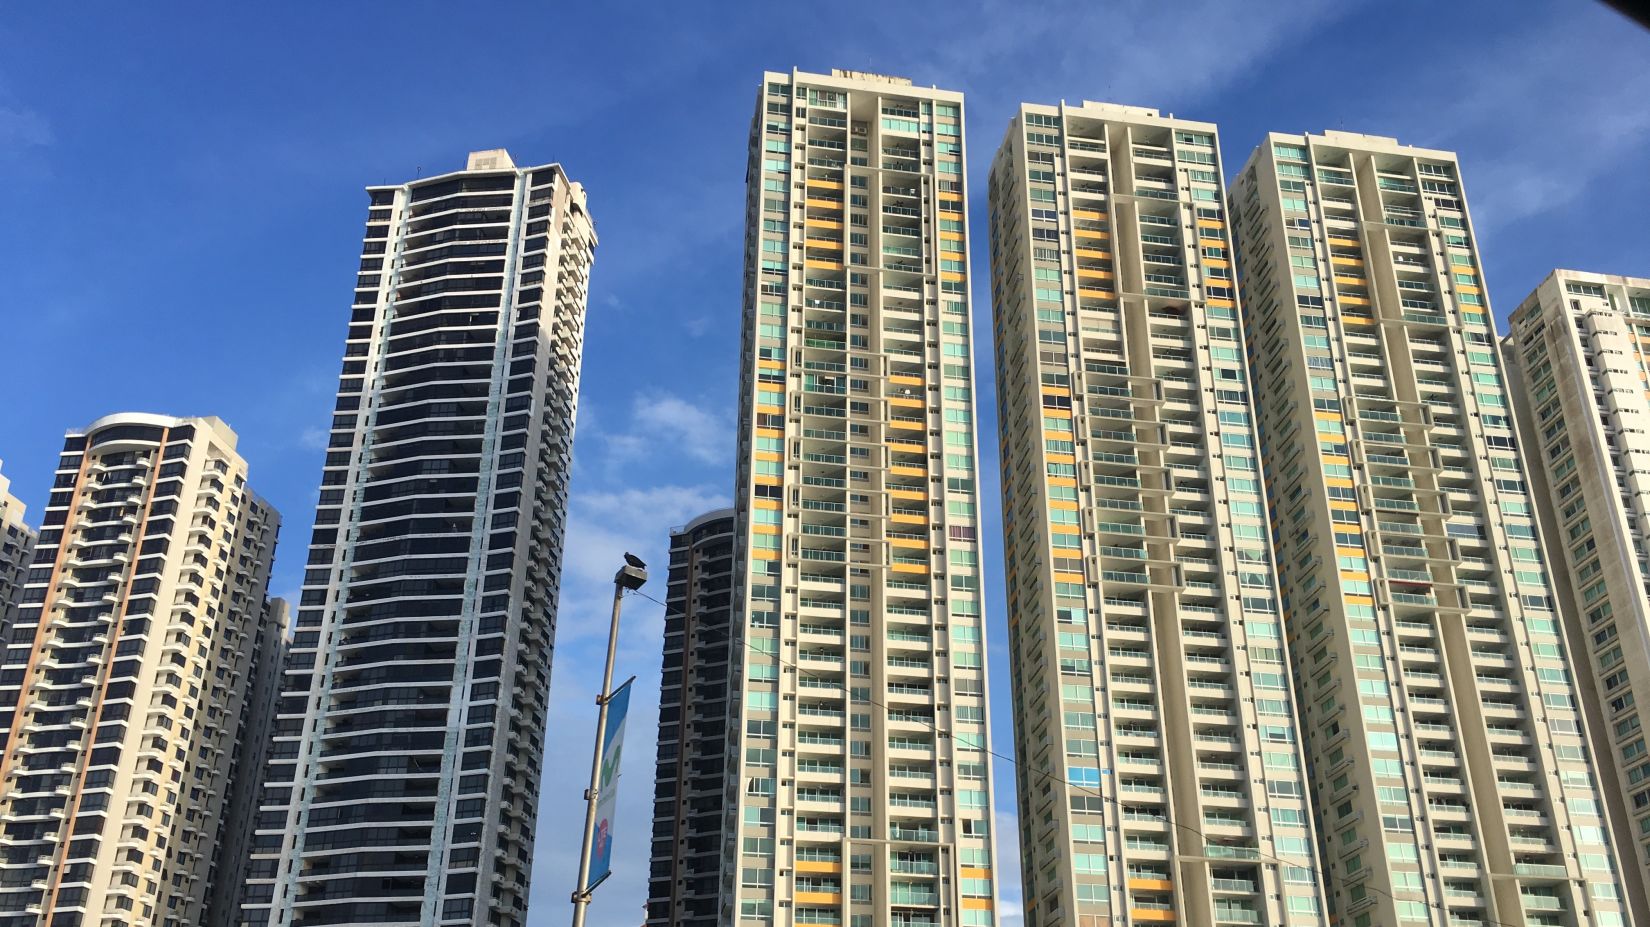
[862, 795]
[16, 552]
[126, 675]
[1155, 724]
[1578, 363]
[1444, 731]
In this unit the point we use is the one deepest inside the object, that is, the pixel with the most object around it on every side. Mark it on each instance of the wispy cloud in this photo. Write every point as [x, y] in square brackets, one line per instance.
[22, 128]
[663, 426]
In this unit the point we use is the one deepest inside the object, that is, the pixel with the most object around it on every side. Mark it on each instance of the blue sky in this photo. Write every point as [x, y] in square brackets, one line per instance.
[189, 183]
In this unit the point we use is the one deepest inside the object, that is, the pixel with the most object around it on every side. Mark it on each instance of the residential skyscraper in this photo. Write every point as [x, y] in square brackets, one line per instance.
[1444, 734]
[695, 710]
[125, 676]
[1156, 729]
[863, 794]
[404, 778]
[1578, 362]
[16, 552]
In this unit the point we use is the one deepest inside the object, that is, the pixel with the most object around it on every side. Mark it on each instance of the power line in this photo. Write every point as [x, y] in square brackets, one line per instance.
[1011, 761]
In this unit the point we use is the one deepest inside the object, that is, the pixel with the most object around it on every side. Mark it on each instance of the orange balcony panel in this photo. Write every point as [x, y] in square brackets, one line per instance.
[1061, 481]
[1091, 291]
[950, 275]
[818, 898]
[1087, 214]
[767, 455]
[905, 470]
[768, 480]
[907, 542]
[1210, 224]
[1346, 261]
[1061, 458]
[765, 529]
[1068, 577]
[1092, 253]
[1222, 304]
[776, 410]
[912, 426]
[825, 184]
[1463, 288]
[767, 503]
[909, 567]
[1056, 391]
[824, 204]
[975, 872]
[823, 265]
[948, 196]
[1350, 300]
[951, 236]
[1338, 481]
[1091, 233]
[769, 433]
[822, 223]
[1215, 262]
[914, 495]
[1151, 885]
[1062, 504]
[825, 243]
[904, 380]
[907, 519]
[1151, 916]
[770, 365]
[814, 865]
[1092, 272]
[977, 904]
[904, 402]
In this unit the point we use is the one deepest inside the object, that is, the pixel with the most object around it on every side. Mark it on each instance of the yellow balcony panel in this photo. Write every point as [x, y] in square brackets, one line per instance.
[914, 495]
[1338, 481]
[977, 904]
[825, 184]
[1352, 301]
[1093, 253]
[1068, 577]
[814, 865]
[1355, 574]
[951, 236]
[768, 480]
[951, 276]
[1210, 224]
[822, 223]
[1056, 390]
[1094, 272]
[1327, 416]
[975, 872]
[1061, 481]
[1337, 459]
[904, 380]
[823, 265]
[1463, 288]
[1151, 885]
[770, 365]
[1151, 916]
[899, 519]
[905, 403]
[1215, 262]
[906, 470]
[1091, 233]
[912, 426]
[1343, 280]
[825, 243]
[767, 455]
[1065, 505]
[765, 529]
[1360, 600]
[1222, 304]
[909, 567]
[1346, 261]
[1091, 291]
[769, 433]
[776, 410]
[818, 898]
[1061, 458]
[907, 542]
[901, 444]
[823, 204]
[1087, 214]
[767, 503]
[1057, 413]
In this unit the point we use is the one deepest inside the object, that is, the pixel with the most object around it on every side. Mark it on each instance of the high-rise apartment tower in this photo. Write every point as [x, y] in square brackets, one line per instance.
[16, 552]
[1444, 733]
[1578, 362]
[695, 702]
[862, 795]
[404, 778]
[125, 679]
[1155, 725]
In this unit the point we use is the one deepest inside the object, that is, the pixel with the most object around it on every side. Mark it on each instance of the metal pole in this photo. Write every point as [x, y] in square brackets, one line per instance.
[631, 576]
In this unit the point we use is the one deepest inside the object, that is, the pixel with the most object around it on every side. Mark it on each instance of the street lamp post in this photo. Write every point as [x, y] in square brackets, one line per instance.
[630, 577]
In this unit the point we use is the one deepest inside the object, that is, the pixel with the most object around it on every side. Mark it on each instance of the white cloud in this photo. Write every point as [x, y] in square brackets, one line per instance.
[23, 128]
[314, 438]
[664, 426]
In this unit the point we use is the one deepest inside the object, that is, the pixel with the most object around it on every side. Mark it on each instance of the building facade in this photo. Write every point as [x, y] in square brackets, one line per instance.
[1578, 362]
[126, 674]
[1155, 726]
[1444, 733]
[16, 553]
[403, 780]
[863, 794]
[695, 702]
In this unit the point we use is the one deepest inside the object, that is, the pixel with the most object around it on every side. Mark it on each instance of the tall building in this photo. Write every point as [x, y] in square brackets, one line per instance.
[1444, 735]
[124, 678]
[863, 793]
[16, 552]
[1578, 363]
[695, 698]
[404, 778]
[1156, 729]
[266, 653]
